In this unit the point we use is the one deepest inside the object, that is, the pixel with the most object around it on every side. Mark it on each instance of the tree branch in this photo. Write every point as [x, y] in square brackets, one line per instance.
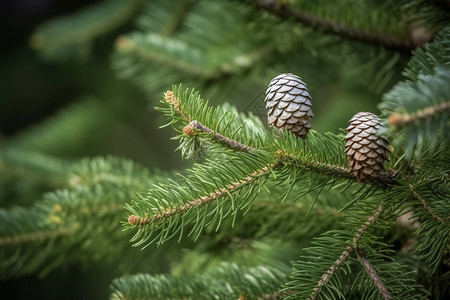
[126, 44]
[280, 9]
[34, 237]
[401, 120]
[385, 179]
[216, 136]
[182, 209]
[349, 249]
[427, 207]
[373, 274]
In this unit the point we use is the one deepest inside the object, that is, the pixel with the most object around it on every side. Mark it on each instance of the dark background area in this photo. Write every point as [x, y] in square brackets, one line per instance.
[27, 97]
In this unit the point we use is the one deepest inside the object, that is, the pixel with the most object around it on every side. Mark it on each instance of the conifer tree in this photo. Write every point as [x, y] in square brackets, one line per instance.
[259, 212]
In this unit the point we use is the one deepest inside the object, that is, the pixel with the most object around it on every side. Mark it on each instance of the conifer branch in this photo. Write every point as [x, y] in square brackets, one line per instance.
[349, 249]
[384, 179]
[75, 28]
[127, 44]
[427, 207]
[15, 162]
[216, 136]
[34, 237]
[400, 120]
[182, 209]
[174, 22]
[373, 275]
[280, 9]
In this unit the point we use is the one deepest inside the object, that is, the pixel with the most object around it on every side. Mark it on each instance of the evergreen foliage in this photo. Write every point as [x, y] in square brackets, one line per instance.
[73, 35]
[259, 214]
[249, 282]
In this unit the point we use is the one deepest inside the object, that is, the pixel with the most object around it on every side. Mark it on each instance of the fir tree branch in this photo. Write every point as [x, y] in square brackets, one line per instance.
[216, 136]
[282, 10]
[349, 249]
[427, 207]
[174, 22]
[16, 162]
[182, 209]
[385, 179]
[34, 237]
[373, 275]
[135, 47]
[400, 120]
[85, 25]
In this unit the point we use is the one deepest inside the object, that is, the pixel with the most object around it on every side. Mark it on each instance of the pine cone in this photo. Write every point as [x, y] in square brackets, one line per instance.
[288, 104]
[365, 149]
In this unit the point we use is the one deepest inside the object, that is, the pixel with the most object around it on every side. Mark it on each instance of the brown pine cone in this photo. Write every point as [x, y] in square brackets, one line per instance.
[288, 104]
[365, 149]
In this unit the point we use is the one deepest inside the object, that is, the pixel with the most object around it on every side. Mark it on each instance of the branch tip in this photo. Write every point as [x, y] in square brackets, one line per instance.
[133, 220]
[169, 97]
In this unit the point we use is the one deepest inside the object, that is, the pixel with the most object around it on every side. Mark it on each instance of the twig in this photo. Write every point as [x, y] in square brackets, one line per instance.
[137, 220]
[282, 10]
[427, 207]
[400, 120]
[373, 274]
[385, 179]
[217, 136]
[349, 249]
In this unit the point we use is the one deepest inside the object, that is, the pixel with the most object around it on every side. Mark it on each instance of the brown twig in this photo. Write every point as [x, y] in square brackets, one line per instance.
[373, 275]
[280, 9]
[217, 136]
[385, 179]
[349, 249]
[401, 120]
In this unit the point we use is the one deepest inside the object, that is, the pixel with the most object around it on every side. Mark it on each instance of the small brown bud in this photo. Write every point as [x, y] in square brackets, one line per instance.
[169, 96]
[396, 120]
[189, 130]
[125, 43]
[132, 219]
